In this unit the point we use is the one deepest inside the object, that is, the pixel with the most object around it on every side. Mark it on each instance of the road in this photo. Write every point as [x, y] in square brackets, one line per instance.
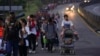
[88, 44]
[95, 9]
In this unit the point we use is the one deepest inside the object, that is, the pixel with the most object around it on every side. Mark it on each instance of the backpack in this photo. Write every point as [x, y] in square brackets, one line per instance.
[55, 40]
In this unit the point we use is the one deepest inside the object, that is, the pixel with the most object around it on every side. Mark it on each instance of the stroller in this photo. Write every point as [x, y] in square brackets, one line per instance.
[67, 46]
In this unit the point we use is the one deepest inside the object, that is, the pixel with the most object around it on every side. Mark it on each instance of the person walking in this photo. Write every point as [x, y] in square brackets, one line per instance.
[43, 36]
[23, 43]
[32, 33]
[12, 27]
[50, 31]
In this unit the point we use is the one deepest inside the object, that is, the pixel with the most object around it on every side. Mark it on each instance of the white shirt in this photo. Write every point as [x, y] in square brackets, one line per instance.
[33, 31]
[64, 22]
[25, 35]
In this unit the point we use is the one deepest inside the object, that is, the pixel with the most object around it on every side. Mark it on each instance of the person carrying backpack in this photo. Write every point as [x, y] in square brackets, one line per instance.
[50, 31]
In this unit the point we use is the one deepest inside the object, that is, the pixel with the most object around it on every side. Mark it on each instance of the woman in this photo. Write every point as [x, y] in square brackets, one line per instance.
[23, 43]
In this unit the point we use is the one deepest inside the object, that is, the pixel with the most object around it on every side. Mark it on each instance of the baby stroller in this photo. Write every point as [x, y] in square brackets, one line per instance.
[67, 46]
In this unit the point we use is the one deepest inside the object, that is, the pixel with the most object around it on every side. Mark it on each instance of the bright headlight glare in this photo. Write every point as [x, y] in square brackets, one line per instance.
[71, 8]
[88, 1]
[67, 8]
[85, 1]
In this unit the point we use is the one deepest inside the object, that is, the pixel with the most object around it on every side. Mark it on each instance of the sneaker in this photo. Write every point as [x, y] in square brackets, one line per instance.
[53, 49]
[33, 52]
[42, 48]
[37, 44]
[30, 51]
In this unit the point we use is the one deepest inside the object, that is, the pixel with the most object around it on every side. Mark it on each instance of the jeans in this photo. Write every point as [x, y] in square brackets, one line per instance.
[12, 46]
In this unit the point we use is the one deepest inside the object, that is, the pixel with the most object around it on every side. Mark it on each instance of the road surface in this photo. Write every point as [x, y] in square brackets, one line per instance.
[88, 44]
[95, 9]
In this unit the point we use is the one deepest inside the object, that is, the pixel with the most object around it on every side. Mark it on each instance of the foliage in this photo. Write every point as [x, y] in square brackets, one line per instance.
[38, 2]
[32, 6]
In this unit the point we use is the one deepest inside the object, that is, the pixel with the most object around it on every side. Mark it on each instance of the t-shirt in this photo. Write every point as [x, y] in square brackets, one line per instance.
[66, 24]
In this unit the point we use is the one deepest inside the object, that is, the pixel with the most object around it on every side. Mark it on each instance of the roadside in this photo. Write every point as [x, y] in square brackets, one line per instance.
[91, 19]
[94, 9]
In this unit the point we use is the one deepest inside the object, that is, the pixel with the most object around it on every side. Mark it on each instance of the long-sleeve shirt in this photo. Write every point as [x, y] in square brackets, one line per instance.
[51, 31]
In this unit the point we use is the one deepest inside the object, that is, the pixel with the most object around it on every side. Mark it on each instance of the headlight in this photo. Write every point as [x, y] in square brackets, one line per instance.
[67, 8]
[72, 8]
[85, 1]
[88, 1]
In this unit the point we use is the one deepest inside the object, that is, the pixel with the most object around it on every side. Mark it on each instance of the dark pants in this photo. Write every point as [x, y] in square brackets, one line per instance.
[23, 50]
[50, 44]
[32, 42]
[42, 42]
[12, 45]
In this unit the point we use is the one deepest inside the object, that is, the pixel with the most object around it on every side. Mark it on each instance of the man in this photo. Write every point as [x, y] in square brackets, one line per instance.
[68, 24]
[11, 35]
[50, 31]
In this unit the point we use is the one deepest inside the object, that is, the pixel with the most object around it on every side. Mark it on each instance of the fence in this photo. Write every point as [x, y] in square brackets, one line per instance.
[11, 8]
[92, 19]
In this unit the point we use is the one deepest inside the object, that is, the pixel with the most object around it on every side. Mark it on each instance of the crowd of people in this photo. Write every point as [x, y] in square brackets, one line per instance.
[21, 35]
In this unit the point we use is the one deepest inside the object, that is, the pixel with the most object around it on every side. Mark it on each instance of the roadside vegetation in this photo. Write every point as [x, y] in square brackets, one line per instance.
[32, 7]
